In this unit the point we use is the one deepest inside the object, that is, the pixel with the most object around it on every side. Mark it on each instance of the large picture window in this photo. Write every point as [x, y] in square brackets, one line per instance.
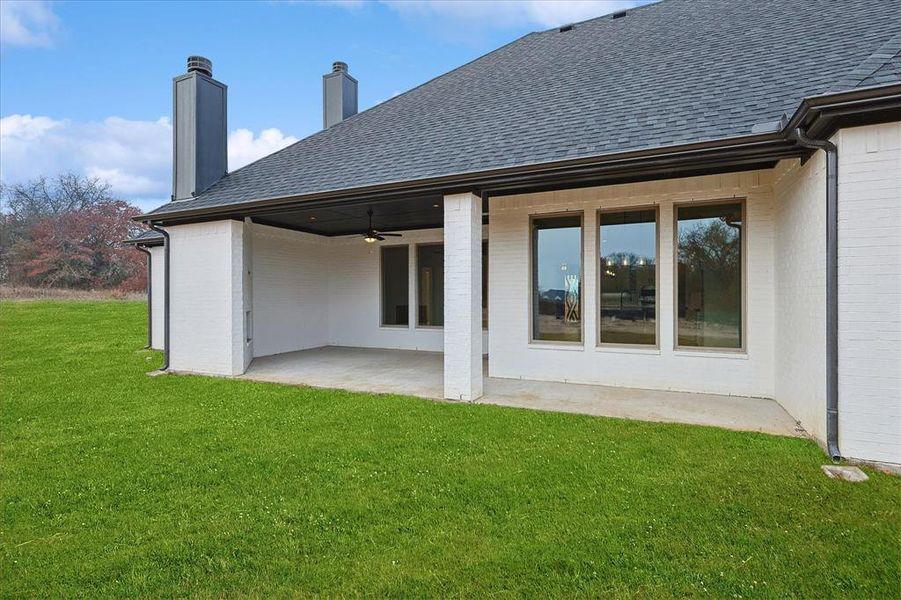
[710, 275]
[395, 285]
[430, 292]
[628, 277]
[557, 278]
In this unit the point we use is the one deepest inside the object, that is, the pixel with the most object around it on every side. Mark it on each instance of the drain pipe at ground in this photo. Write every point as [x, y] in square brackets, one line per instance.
[149, 288]
[831, 285]
[166, 244]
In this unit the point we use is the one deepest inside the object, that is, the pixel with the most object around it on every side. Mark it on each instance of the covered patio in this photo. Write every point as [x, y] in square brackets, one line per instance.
[418, 373]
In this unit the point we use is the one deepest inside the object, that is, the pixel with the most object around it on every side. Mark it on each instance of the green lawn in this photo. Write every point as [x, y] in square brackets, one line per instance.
[116, 484]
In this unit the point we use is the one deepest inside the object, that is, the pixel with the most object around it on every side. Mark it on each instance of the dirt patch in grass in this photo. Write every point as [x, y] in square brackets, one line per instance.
[16, 292]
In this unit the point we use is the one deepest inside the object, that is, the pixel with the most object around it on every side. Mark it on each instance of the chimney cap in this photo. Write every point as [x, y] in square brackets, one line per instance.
[200, 64]
[339, 67]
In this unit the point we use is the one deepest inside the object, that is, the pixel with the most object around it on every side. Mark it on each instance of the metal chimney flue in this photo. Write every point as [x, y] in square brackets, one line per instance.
[199, 129]
[200, 64]
[339, 95]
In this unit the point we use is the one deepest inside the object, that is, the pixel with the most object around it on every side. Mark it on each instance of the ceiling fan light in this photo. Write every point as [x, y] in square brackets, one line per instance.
[369, 239]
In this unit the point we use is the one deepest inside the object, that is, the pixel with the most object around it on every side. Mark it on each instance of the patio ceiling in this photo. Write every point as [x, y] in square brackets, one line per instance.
[424, 212]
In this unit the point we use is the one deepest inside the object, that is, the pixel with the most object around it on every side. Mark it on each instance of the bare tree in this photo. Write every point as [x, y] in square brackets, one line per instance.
[66, 231]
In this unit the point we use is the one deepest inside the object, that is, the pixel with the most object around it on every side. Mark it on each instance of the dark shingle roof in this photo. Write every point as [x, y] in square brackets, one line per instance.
[665, 74]
[879, 68]
[146, 238]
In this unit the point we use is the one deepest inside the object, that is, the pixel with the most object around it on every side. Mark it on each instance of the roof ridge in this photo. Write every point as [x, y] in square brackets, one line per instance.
[648, 3]
[890, 49]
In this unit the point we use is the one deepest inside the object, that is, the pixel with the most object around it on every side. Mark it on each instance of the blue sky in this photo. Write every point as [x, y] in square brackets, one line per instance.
[86, 86]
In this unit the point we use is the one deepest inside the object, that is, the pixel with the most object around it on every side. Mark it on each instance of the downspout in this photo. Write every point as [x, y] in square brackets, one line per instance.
[149, 296]
[165, 235]
[831, 285]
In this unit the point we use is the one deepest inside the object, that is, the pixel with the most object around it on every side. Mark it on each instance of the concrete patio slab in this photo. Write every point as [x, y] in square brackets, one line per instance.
[420, 374]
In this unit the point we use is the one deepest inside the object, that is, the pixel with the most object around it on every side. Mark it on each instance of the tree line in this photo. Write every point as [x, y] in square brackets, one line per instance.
[66, 232]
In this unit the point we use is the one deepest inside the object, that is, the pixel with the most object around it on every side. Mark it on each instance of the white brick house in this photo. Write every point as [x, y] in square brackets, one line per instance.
[643, 220]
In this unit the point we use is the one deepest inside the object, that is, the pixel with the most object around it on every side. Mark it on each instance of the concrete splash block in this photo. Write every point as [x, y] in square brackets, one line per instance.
[852, 474]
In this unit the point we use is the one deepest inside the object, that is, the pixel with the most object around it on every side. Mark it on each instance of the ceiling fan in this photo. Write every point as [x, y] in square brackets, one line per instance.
[374, 235]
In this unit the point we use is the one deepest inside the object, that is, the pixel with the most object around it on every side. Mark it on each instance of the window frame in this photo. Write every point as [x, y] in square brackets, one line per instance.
[599, 266]
[531, 285]
[743, 348]
[381, 276]
[486, 280]
[416, 248]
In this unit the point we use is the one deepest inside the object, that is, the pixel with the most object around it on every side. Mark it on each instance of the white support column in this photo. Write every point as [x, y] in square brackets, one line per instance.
[207, 298]
[462, 296]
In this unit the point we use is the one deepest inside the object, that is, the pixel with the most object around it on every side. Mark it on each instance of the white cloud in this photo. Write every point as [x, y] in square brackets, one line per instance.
[244, 148]
[26, 127]
[137, 185]
[505, 13]
[26, 23]
[134, 157]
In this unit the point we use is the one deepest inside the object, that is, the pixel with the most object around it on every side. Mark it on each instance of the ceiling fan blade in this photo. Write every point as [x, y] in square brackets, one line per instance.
[391, 234]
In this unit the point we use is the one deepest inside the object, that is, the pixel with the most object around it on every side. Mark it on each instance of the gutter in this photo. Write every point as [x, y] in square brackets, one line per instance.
[831, 285]
[149, 296]
[166, 246]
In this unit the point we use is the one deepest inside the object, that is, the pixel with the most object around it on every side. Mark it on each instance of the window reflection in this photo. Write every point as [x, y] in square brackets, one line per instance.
[430, 275]
[557, 279]
[710, 280]
[628, 289]
[395, 285]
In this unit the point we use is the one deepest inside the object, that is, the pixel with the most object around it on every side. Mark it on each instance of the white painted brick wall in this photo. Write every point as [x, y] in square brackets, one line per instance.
[157, 284]
[870, 292]
[510, 353]
[354, 303]
[206, 303]
[462, 296]
[306, 291]
[290, 290]
[800, 369]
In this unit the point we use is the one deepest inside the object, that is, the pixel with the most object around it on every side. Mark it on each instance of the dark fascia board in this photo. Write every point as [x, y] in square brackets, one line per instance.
[820, 115]
[144, 243]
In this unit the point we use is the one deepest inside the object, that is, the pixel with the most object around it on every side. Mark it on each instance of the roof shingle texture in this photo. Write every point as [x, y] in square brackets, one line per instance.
[676, 72]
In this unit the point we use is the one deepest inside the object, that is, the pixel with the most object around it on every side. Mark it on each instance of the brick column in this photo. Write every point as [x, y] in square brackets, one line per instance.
[462, 296]
[207, 298]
